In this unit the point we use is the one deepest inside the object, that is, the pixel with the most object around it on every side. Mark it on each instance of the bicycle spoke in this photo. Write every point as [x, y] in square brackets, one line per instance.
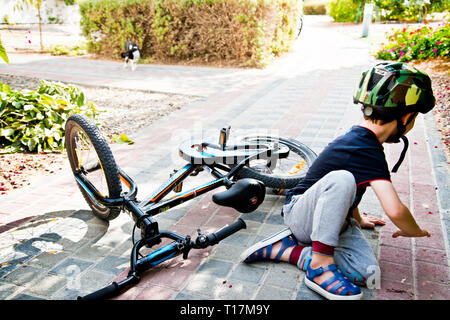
[294, 164]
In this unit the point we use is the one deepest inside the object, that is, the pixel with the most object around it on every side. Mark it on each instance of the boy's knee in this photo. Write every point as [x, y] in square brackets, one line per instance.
[344, 181]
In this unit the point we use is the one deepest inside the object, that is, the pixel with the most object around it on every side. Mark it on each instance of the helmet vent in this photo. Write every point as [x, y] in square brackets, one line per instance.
[387, 86]
[391, 84]
[373, 81]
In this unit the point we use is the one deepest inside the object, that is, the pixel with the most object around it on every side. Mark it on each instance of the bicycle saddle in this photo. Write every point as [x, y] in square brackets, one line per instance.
[244, 196]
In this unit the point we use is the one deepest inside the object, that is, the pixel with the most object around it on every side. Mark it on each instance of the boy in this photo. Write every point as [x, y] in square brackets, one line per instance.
[321, 211]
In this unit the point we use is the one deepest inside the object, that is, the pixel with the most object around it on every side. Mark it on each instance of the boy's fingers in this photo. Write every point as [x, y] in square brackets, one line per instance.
[374, 219]
[427, 234]
[396, 234]
[378, 221]
[367, 225]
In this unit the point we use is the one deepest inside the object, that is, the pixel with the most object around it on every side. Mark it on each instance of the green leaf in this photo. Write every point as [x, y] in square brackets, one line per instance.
[31, 144]
[10, 149]
[3, 54]
[4, 88]
[17, 105]
[81, 100]
[6, 132]
[50, 141]
[121, 139]
[48, 123]
[48, 133]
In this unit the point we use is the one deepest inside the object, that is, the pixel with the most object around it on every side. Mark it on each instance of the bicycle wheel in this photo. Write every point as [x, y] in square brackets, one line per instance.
[284, 173]
[300, 26]
[89, 153]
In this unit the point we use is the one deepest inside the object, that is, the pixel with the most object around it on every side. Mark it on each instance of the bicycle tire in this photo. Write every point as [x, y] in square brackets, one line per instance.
[272, 180]
[75, 125]
[300, 27]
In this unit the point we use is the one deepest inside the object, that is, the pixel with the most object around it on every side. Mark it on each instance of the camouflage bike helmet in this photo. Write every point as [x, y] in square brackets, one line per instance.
[390, 90]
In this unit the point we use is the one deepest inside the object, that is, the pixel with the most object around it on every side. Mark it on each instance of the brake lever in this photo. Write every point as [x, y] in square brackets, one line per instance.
[185, 246]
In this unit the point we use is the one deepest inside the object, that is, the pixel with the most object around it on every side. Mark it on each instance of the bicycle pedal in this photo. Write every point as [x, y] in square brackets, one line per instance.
[224, 135]
[197, 171]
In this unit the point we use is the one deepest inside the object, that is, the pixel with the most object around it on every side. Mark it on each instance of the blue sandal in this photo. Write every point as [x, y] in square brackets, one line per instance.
[256, 252]
[343, 282]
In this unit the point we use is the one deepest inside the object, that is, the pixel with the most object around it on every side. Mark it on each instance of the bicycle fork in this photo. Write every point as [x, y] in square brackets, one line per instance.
[179, 246]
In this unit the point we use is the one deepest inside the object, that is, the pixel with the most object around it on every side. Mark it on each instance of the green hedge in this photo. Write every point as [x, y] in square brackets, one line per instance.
[315, 9]
[388, 10]
[343, 10]
[227, 32]
[411, 10]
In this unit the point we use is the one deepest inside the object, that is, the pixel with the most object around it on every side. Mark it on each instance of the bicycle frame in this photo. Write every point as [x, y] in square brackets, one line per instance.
[142, 211]
[223, 163]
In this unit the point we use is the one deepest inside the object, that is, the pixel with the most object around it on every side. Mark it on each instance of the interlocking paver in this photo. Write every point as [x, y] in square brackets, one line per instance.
[65, 251]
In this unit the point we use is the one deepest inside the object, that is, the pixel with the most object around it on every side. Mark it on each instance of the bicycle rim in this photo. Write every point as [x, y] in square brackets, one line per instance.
[282, 173]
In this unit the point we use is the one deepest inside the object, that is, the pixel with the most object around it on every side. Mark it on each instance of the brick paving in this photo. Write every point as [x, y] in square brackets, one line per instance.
[52, 247]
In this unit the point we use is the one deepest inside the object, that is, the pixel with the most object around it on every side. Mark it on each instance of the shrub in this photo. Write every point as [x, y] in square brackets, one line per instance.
[73, 50]
[409, 10]
[412, 43]
[34, 120]
[399, 10]
[107, 25]
[233, 32]
[318, 9]
[343, 10]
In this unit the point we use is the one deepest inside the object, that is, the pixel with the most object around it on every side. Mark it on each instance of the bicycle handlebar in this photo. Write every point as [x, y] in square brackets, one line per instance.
[112, 290]
[116, 288]
[105, 293]
[226, 231]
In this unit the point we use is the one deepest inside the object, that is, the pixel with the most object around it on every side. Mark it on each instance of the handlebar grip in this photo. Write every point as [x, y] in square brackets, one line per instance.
[107, 292]
[226, 231]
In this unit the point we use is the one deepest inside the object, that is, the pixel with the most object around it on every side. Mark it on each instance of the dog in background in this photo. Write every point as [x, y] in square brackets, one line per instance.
[131, 55]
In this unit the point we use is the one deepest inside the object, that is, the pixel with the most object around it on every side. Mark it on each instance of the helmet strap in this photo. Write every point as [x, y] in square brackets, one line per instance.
[395, 138]
[401, 128]
[402, 155]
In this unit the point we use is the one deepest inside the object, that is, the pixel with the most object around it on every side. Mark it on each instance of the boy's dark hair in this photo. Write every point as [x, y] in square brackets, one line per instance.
[376, 115]
[378, 119]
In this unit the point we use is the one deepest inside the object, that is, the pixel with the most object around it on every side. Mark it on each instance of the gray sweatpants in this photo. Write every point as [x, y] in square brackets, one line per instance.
[320, 215]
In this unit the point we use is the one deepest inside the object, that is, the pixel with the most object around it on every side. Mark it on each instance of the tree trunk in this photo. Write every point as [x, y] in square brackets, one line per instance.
[40, 26]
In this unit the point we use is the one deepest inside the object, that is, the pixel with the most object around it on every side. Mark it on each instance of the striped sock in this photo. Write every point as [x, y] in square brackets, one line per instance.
[295, 254]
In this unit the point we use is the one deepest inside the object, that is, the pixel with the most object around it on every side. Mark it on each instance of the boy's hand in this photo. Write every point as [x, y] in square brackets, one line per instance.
[422, 233]
[369, 222]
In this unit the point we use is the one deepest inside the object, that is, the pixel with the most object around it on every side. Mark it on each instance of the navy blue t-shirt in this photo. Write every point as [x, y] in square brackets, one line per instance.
[358, 151]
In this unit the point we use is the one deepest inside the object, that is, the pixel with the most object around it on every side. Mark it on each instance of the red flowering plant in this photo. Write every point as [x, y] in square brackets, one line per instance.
[417, 43]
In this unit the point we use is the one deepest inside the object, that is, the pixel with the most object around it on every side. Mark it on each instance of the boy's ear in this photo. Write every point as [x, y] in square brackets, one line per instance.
[407, 118]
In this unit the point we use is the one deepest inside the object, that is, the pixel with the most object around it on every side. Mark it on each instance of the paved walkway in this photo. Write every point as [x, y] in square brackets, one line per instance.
[51, 246]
